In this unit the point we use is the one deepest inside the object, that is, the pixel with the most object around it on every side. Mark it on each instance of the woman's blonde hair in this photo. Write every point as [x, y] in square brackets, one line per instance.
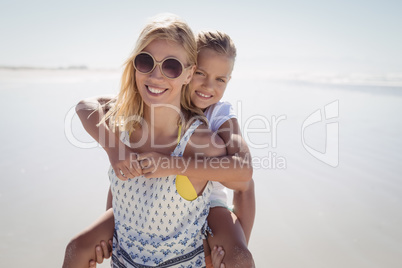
[128, 109]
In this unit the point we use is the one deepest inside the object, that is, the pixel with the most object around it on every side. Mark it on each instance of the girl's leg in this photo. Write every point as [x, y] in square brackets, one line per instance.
[228, 234]
[81, 248]
[244, 208]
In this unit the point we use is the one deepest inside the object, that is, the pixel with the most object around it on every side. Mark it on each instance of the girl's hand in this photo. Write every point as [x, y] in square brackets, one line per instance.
[217, 255]
[124, 161]
[155, 165]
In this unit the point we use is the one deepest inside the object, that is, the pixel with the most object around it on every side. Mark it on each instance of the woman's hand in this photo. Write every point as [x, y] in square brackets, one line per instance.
[124, 161]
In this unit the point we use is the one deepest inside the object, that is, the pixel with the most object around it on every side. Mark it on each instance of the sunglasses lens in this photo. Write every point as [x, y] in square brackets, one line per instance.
[144, 63]
[172, 68]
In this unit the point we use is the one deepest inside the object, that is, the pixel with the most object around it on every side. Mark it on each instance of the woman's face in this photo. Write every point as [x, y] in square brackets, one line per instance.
[210, 78]
[154, 87]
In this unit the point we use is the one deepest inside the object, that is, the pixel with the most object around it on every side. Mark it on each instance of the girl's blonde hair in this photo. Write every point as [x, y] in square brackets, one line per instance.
[128, 109]
[218, 41]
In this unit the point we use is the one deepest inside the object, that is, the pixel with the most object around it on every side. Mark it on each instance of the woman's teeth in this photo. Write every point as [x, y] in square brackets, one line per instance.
[155, 90]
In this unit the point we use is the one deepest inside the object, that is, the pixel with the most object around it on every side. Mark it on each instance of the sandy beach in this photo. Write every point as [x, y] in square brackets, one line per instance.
[309, 213]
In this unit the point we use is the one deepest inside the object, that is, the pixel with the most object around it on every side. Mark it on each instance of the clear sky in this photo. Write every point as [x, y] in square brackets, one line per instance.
[274, 34]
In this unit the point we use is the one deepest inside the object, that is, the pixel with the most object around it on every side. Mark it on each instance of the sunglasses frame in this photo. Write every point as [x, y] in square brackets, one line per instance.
[160, 64]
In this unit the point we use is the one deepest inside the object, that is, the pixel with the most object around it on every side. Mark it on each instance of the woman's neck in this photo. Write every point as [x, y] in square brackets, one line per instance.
[162, 120]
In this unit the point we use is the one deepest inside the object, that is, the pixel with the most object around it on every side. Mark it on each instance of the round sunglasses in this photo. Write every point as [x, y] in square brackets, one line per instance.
[170, 67]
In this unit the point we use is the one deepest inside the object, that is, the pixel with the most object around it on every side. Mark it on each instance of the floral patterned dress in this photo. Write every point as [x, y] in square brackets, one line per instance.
[154, 225]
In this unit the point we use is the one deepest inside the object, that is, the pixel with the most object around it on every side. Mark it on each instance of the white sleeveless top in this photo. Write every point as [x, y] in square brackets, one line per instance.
[154, 225]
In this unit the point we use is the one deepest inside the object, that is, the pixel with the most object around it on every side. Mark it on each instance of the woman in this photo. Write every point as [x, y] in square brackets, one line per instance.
[216, 56]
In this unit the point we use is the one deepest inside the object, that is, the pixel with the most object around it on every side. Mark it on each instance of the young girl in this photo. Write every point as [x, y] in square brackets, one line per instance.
[215, 63]
[154, 225]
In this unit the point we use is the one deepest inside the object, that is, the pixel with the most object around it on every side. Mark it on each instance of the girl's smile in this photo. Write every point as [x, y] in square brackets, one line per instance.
[203, 95]
[210, 78]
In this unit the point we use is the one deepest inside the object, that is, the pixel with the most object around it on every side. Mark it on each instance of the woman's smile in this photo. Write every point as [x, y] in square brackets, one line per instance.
[155, 91]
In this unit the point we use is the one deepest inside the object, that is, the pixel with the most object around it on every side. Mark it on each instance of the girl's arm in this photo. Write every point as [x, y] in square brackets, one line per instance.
[202, 144]
[121, 157]
[90, 111]
[239, 168]
[234, 168]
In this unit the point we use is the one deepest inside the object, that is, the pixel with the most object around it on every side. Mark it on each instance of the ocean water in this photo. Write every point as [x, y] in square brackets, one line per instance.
[316, 207]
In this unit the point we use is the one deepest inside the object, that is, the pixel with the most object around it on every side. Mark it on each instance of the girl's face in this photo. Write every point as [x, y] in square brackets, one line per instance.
[210, 78]
[154, 87]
